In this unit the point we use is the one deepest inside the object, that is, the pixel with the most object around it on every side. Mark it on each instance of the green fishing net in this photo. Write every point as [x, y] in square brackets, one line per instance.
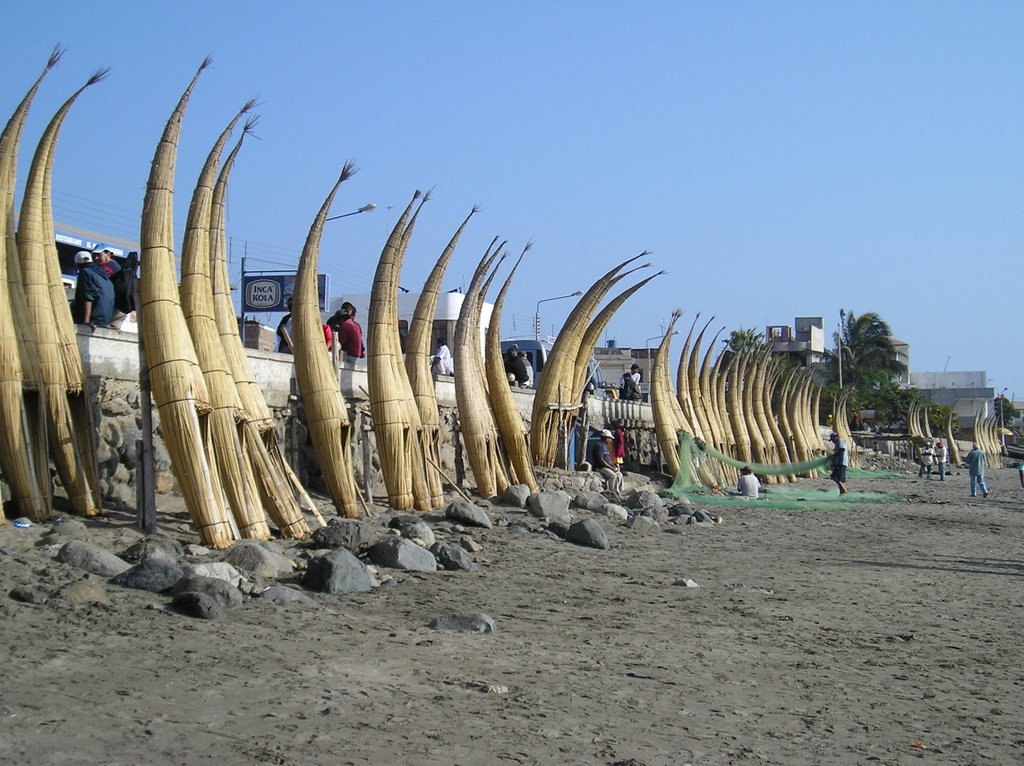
[787, 497]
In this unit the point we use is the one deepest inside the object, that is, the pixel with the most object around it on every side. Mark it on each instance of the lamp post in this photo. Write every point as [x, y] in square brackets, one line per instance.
[839, 341]
[650, 359]
[364, 209]
[1002, 428]
[536, 314]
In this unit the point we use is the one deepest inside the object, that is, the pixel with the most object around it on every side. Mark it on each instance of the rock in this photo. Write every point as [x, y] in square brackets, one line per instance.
[467, 623]
[153, 546]
[29, 594]
[550, 504]
[197, 605]
[284, 594]
[452, 557]
[471, 545]
[644, 525]
[196, 551]
[466, 513]
[558, 529]
[252, 557]
[642, 499]
[69, 528]
[589, 501]
[413, 528]
[219, 570]
[155, 574]
[356, 536]
[686, 583]
[91, 558]
[86, 591]
[515, 495]
[399, 553]
[340, 572]
[587, 532]
[700, 517]
[225, 594]
[614, 511]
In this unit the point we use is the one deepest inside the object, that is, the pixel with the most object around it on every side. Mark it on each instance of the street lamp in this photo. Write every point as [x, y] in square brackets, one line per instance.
[647, 348]
[536, 314]
[1002, 428]
[364, 209]
[839, 341]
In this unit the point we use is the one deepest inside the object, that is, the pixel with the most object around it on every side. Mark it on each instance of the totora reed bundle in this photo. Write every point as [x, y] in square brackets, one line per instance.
[23, 461]
[326, 414]
[179, 387]
[68, 413]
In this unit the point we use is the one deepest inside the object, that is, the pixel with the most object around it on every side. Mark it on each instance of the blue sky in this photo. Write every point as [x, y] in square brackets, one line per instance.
[778, 159]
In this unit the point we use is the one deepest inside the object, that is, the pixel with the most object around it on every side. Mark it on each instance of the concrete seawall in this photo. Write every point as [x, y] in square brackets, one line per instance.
[112, 367]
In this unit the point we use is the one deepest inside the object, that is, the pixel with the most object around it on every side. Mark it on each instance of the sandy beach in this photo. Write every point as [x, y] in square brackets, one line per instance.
[884, 634]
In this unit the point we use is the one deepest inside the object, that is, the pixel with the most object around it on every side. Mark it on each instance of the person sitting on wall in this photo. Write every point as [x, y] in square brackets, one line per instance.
[350, 334]
[93, 304]
[441, 361]
[604, 463]
[284, 332]
[515, 367]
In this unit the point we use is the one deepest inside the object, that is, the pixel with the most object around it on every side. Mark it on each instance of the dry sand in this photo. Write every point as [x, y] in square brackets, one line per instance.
[887, 634]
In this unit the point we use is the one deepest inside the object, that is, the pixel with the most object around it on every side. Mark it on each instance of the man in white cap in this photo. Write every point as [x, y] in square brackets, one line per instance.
[93, 304]
[604, 463]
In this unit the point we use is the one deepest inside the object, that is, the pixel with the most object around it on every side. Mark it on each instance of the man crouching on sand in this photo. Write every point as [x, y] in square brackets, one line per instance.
[840, 460]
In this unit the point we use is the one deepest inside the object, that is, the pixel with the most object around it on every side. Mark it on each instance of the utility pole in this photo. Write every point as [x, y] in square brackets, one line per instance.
[839, 341]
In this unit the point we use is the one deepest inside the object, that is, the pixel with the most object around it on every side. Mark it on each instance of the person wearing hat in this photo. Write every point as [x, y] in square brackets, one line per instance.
[604, 463]
[515, 367]
[840, 461]
[93, 303]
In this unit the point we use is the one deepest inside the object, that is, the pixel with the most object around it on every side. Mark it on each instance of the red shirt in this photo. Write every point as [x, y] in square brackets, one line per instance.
[350, 338]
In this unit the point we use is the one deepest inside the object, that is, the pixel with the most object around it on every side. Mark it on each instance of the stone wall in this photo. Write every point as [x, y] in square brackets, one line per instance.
[112, 366]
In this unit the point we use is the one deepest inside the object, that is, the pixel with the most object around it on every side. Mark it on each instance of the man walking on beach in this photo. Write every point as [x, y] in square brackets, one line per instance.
[840, 460]
[976, 466]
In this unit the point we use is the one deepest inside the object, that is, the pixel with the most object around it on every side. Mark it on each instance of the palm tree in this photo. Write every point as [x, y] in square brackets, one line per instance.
[744, 340]
[868, 354]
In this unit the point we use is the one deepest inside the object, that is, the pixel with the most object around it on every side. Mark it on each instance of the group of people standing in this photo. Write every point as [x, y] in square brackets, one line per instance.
[342, 324]
[104, 291]
[933, 456]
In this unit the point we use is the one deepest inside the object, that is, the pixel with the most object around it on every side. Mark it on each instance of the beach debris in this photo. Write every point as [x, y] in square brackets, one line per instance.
[686, 583]
[613, 511]
[469, 514]
[86, 591]
[477, 622]
[703, 517]
[337, 572]
[471, 545]
[588, 533]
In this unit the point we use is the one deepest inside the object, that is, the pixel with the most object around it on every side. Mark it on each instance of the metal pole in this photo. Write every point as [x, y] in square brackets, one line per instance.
[839, 341]
[241, 296]
[145, 489]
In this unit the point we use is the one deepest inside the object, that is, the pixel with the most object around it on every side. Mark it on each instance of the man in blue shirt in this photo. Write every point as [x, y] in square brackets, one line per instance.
[604, 463]
[93, 303]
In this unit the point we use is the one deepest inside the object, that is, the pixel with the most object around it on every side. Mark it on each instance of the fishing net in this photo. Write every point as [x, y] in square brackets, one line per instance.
[780, 497]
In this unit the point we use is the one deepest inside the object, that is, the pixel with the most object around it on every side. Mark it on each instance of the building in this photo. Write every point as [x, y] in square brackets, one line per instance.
[804, 340]
[966, 392]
